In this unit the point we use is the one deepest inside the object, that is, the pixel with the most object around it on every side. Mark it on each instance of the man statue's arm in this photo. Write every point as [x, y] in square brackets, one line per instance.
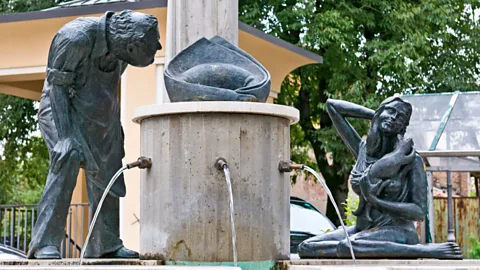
[66, 54]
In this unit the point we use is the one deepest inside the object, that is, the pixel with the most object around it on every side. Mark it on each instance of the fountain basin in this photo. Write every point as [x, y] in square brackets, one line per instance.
[184, 198]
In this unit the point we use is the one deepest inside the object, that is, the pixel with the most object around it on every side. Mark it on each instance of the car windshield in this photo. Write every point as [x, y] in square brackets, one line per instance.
[305, 218]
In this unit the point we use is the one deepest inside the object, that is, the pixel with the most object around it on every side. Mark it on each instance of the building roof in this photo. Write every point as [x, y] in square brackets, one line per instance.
[79, 3]
[85, 7]
[82, 7]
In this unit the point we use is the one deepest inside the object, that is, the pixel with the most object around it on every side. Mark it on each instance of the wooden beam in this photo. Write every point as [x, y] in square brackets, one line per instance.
[22, 70]
[9, 75]
[19, 92]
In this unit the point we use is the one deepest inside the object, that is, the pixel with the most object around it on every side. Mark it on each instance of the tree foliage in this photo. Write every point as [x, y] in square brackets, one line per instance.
[14, 6]
[23, 153]
[371, 49]
[24, 159]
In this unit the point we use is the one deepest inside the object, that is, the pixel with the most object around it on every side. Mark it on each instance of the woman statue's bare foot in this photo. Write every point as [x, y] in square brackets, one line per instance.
[446, 251]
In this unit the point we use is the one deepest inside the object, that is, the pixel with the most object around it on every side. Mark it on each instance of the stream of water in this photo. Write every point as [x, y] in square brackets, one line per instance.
[94, 219]
[232, 213]
[329, 193]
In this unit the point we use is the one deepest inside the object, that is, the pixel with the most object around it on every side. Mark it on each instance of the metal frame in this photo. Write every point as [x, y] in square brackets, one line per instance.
[432, 153]
[446, 153]
[17, 221]
[450, 153]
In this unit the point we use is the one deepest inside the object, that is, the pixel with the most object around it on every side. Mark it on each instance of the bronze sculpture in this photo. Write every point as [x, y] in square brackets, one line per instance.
[390, 179]
[79, 119]
[216, 70]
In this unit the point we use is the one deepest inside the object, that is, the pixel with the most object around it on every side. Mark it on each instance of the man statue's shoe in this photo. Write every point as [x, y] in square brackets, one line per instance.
[47, 253]
[124, 253]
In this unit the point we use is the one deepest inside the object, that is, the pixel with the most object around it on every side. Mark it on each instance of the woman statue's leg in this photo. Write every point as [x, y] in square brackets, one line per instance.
[395, 243]
[325, 245]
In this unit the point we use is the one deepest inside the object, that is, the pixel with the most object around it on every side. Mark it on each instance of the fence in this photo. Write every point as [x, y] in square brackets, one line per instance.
[466, 215]
[16, 223]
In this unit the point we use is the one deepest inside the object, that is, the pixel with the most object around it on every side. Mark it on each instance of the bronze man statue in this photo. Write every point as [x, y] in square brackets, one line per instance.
[390, 179]
[79, 119]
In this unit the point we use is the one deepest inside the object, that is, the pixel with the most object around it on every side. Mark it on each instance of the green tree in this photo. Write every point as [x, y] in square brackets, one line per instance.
[14, 6]
[371, 49]
[23, 153]
[24, 157]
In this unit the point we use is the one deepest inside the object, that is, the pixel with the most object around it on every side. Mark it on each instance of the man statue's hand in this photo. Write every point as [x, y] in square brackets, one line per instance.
[62, 151]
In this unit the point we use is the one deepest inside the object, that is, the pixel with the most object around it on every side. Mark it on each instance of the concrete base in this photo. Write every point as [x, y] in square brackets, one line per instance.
[86, 262]
[378, 264]
[105, 264]
[184, 207]
[110, 267]
[393, 267]
[102, 264]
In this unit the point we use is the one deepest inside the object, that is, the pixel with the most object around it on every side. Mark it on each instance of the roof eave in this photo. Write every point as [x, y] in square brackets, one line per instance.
[280, 42]
[145, 4]
[80, 10]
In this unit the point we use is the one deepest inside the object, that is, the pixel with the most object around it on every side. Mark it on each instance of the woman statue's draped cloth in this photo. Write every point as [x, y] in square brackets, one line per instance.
[390, 180]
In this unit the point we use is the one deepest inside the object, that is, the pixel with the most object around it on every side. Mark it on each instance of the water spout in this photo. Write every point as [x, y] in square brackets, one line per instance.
[141, 163]
[220, 164]
[288, 166]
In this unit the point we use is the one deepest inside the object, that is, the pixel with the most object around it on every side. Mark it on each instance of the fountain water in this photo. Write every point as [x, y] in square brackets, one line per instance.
[100, 203]
[288, 166]
[330, 195]
[232, 213]
[222, 164]
[142, 163]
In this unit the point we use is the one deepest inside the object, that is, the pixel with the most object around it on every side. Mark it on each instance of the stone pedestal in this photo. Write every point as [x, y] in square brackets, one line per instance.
[184, 198]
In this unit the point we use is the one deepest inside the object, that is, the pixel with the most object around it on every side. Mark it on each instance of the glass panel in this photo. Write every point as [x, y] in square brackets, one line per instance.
[428, 111]
[462, 131]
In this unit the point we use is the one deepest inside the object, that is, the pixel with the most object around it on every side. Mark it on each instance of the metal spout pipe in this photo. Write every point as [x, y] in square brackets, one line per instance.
[141, 163]
[288, 166]
[220, 163]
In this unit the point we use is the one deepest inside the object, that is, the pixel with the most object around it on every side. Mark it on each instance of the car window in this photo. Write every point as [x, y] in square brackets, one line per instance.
[304, 205]
[308, 220]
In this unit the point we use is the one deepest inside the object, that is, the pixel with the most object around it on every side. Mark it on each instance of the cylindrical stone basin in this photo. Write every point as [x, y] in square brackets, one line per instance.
[184, 198]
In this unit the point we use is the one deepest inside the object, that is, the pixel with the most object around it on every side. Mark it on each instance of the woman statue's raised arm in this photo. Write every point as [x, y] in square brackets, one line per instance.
[338, 110]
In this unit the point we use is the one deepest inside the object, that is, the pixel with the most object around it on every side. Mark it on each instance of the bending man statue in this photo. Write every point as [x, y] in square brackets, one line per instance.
[390, 179]
[79, 119]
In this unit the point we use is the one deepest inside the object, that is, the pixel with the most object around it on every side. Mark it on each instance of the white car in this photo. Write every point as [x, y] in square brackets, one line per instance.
[9, 253]
[306, 221]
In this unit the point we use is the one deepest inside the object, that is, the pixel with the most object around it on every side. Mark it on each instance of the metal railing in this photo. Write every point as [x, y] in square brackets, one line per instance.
[16, 223]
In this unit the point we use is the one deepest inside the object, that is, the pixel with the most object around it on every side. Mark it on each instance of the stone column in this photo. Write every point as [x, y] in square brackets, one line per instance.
[190, 20]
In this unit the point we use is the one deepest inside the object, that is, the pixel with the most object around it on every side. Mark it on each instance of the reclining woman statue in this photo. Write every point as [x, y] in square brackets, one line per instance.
[389, 177]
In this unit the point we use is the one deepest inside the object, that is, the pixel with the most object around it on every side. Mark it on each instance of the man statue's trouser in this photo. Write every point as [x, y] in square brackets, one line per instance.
[49, 229]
